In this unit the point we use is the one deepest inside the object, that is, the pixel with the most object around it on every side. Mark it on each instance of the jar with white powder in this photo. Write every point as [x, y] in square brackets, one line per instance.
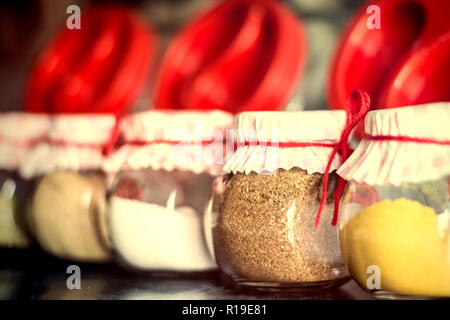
[165, 166]
[65, 211]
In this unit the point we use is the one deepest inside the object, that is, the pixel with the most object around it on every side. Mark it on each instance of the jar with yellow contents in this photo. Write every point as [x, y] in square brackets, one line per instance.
[394, 222]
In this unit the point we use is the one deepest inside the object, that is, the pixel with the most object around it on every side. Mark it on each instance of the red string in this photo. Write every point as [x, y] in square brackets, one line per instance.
[171, 142]
[113, 137]
[291, 144]
[357, 108]
[405, 139]
[106, 149]
[64, 143]
[52, 142]
[20, 144]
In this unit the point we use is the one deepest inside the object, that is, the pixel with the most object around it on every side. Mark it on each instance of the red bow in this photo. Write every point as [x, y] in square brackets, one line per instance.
[357, 107]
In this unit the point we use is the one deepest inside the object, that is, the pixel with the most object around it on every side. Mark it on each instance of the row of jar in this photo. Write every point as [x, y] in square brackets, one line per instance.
[149, 202]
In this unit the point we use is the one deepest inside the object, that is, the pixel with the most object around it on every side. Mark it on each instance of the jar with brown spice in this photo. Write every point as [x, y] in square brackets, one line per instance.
[65, 211]
[260, 221]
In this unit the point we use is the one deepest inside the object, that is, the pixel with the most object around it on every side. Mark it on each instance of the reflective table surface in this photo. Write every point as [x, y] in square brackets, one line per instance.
[32, 275]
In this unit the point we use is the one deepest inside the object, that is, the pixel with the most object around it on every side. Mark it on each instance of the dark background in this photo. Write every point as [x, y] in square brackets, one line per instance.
[26, 26]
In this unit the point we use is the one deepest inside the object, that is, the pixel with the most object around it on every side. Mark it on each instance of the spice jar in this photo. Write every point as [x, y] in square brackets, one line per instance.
[394, 216]
[14, 145]
[66, 209]
[166, 165]
[263, 210]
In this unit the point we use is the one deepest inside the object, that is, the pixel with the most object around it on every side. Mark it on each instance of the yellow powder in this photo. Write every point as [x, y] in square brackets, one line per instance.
[402, 238]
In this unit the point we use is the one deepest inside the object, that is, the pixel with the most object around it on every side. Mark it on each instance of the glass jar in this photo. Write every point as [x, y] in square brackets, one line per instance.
[261, 221]
[395, 213]
[164, 170]
[66, 215]
[14, 146]
[66, 209]
[399, 234]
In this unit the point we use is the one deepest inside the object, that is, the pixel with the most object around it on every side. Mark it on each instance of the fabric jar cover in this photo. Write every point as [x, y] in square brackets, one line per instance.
[18, 134]
[381, 162]
[170, 140]
[257, 135]
[72, 142]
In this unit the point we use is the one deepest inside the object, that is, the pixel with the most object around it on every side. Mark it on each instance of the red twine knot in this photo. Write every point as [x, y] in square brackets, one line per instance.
[107, 149]
[357, 107]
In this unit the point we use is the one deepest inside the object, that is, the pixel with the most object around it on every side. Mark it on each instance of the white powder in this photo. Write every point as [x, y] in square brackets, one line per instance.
[154, 237]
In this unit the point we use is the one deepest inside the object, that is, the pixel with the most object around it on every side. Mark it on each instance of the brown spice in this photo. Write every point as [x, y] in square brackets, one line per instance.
[265, 228]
